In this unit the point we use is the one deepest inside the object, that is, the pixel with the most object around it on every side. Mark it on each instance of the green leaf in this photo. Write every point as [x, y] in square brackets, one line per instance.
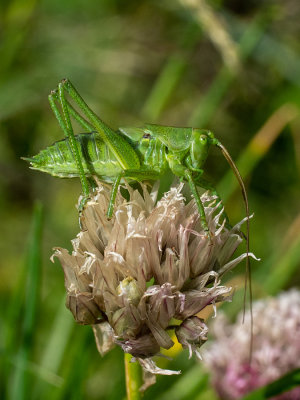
[281, 385]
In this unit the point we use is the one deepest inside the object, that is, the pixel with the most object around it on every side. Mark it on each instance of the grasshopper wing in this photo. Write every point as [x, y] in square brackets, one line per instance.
[175, 139]
[132, 133]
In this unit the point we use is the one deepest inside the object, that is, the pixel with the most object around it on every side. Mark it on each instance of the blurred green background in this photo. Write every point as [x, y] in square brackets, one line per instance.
[228, 65]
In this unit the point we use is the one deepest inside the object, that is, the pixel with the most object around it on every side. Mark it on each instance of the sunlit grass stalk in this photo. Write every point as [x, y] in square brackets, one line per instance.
[13, 314]
[171, 73]
[216, 30]
[53, 354]
[133, 376]
[210, 101]
[75, 367]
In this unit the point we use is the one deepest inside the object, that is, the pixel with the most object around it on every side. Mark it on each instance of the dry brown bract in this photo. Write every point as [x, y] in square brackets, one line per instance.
[130, 276]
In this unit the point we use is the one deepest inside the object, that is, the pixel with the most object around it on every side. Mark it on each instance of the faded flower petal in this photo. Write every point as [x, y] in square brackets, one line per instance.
[150, 366]
[104, 337]
[149, 379]
[80, 300]
[83, 308]
[131, 275]
[125, 322]
[158, 309]
[142, 347]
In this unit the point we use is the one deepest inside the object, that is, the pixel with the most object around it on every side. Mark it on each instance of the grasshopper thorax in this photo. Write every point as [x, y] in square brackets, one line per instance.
[201, 141]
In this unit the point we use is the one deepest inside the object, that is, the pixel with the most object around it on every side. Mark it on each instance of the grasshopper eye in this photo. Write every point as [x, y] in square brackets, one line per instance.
[203, 139]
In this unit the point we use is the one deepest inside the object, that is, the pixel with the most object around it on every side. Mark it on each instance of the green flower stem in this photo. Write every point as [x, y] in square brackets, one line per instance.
[133, 376]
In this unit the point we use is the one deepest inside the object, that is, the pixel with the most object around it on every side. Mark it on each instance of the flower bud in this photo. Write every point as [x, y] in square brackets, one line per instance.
[192, 334]
[83, 308]
[144, 346]
[124, 323]
[129, 289]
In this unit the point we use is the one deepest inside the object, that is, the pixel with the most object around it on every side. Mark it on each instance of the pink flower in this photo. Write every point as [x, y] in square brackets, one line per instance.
[276, 348]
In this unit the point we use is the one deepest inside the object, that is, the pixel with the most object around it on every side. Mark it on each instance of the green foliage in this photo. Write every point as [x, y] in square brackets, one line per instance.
[139, 62]
[281, 385]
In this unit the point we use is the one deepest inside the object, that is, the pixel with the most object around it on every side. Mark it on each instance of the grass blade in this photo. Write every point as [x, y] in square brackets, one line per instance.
[20, 382]
[209, 103]
[171, 74]
[281, 385]
[258, 147]
[188, 386]
[285, 264]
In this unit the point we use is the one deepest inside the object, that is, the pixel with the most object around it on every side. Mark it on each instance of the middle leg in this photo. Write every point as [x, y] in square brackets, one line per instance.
[138, 175]
[183, 172]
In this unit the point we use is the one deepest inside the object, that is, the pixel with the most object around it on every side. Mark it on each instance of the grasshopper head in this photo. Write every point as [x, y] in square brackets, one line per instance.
[201, 141]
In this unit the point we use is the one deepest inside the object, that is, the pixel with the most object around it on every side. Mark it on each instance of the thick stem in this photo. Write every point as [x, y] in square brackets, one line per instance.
[133, 377]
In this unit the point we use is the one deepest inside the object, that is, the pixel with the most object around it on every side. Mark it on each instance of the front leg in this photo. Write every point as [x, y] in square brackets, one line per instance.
[184, 172]
[193, 187]
[113, 195]
[208, 186]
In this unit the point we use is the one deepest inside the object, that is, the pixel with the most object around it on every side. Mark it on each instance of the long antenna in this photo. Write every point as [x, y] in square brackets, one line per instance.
[248, 267]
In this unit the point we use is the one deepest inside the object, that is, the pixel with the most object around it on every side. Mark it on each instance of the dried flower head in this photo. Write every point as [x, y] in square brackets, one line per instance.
[152, 263]
[276, 348]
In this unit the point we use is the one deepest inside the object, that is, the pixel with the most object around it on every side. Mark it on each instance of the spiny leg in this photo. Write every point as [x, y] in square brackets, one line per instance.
[122, 150]
[183, 172]
[113, 196]
[65, 104]
[97, 122]
[208, 186]
[85, 124]
[72, 141]
[75, 114]
[198, 201]
[52, 97]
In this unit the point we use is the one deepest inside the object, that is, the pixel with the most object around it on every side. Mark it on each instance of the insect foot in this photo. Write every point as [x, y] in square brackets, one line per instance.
[129, 277]
[82, 202]
[208, 235]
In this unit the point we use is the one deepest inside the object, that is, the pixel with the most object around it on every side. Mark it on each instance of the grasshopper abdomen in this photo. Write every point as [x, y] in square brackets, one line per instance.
[97, 159]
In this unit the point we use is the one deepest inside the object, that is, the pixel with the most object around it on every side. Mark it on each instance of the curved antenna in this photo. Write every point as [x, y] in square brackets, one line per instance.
[248, 267]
